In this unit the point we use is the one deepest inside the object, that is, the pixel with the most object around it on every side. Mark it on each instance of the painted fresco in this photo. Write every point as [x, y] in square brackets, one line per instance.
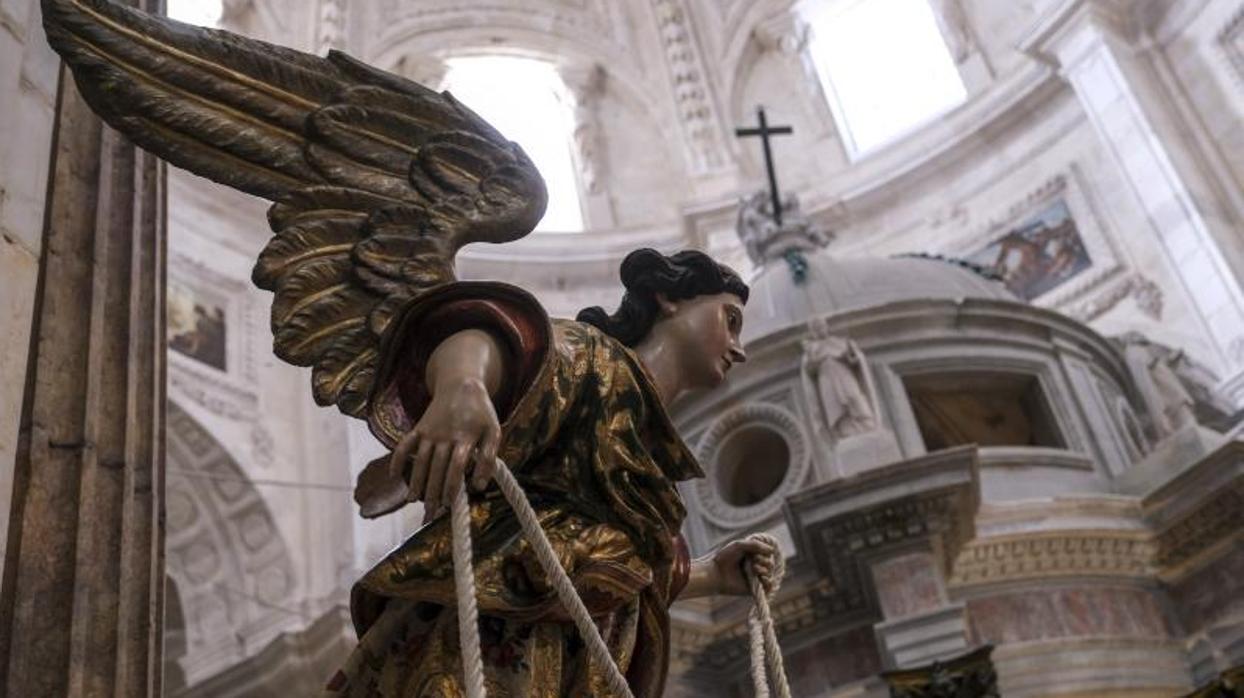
[196, 326]
[1038, 255]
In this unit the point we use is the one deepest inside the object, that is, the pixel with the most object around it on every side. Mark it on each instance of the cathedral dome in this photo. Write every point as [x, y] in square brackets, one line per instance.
[833, 285]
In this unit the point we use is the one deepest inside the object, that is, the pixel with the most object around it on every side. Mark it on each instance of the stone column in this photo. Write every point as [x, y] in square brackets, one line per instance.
[81, 606]
[1093, 43]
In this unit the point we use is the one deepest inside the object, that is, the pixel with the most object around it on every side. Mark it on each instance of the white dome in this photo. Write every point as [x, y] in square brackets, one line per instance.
[837, 285]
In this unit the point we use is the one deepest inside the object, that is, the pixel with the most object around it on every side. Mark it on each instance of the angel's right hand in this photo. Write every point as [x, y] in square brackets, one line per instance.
[459, 427]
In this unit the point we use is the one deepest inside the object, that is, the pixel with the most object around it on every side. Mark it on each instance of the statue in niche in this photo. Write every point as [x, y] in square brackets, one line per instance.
[1177, 391]
[377, 182]
[837, 383]
[764, 240]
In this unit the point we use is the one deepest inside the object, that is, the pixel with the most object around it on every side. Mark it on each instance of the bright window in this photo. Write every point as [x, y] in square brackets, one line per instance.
[202, 12]
[526, 100]
[884, 67]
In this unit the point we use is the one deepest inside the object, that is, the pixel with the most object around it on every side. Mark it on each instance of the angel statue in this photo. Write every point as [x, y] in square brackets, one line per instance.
[376, 183]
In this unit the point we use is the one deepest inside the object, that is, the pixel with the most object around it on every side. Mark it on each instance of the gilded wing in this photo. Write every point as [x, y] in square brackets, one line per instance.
[376, 181]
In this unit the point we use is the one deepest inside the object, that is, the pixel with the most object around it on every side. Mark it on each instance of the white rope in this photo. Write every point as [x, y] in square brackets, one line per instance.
[464, 584]
[760, 621]
[765, 651]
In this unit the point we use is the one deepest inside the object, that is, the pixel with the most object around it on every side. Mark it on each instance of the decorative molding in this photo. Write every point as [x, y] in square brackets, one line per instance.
[704, 141]
[1231, 39]
[780, 420]
[1218, 518]
[1140, 288]
[1071, 187]
[1048, 554]
[220, 397]
[230, 393]
[1199, 513]
[928, 501]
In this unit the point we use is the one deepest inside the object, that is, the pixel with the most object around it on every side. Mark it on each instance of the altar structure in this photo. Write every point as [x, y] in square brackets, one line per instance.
[951, 468]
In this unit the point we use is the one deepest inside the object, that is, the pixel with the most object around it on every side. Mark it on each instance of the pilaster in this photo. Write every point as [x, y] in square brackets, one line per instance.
[81, 605]
[1098, 49]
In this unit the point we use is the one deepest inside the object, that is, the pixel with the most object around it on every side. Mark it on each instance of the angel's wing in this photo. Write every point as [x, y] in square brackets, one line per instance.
[377, 181]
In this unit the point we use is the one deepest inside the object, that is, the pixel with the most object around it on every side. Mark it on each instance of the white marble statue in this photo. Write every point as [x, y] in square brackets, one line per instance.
[1167, 399]
[837, 383]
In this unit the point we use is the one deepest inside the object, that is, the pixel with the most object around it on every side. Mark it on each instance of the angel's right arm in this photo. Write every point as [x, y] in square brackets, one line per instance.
[463, 376]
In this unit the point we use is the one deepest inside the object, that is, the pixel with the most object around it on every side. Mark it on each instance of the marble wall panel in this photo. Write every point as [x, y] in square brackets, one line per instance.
[1036, 614]
[908, 584]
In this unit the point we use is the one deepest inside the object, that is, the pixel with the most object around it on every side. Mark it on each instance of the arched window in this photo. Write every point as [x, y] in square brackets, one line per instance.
[526, 100]
[884, 66]
[202, 12]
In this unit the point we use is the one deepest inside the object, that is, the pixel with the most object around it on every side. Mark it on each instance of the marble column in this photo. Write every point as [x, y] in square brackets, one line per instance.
[1101, 56]
[81, 606]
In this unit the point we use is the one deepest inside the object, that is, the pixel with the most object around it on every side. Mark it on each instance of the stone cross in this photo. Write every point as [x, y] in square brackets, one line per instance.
[764, 131]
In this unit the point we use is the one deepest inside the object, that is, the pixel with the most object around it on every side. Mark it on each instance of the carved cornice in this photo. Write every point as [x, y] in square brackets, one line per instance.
[1054, 554]
[839, 526]
[1187, 520]
[1198, 512]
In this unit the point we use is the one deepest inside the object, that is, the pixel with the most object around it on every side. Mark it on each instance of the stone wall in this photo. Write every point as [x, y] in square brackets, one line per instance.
[28, 79]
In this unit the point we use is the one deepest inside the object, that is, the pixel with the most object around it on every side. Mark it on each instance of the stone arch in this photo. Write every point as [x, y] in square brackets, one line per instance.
[225, 554]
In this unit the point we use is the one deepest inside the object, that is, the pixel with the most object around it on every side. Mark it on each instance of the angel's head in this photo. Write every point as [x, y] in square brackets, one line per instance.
[688, 303]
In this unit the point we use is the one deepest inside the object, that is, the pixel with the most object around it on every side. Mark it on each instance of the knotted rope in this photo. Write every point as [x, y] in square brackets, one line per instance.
[765, 650]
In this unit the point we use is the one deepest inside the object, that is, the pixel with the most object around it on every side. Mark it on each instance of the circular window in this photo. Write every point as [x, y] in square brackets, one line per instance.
[751, 464]
[755, 456]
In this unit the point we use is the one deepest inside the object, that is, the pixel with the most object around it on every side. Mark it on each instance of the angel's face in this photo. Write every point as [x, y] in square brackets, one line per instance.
[705, 331]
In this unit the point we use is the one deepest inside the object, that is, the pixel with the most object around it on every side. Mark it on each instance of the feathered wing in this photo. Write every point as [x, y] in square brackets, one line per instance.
[377, 181]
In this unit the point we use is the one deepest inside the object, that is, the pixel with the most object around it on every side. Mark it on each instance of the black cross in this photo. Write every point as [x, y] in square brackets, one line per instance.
[764, 132]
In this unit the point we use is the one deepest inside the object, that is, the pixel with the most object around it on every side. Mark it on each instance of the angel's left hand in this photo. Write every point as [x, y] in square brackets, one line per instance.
[729, 564]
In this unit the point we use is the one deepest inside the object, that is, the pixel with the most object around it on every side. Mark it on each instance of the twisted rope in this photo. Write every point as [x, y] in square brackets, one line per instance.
[765, 651]
[468, 615]
[764, 638]
[468, 610]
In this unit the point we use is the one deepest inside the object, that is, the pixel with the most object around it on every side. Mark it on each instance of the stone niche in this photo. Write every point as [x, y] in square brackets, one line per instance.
[988, 408]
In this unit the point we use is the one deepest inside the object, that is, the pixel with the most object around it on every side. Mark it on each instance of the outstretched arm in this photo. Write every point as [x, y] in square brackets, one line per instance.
[460, 425]
[722, 572]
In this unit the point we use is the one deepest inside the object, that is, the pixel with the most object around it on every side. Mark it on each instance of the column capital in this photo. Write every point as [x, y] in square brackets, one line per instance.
[1069, 30]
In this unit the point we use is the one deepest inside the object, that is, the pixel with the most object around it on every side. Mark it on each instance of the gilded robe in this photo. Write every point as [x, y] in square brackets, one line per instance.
[587, 436]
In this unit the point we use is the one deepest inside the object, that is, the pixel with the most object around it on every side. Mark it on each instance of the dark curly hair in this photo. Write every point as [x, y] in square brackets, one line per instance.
[645, 273]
